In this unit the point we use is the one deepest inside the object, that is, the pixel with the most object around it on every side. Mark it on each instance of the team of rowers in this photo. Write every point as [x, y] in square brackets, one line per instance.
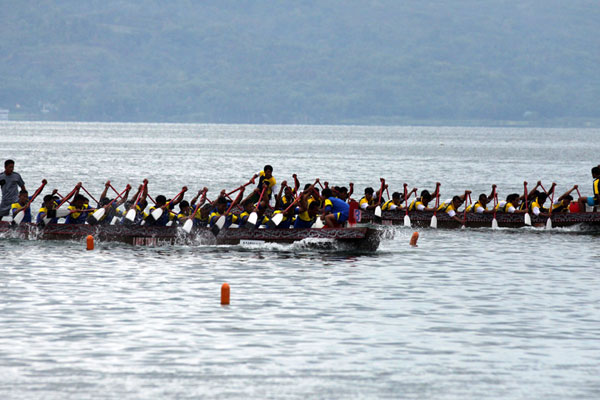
[329, 206]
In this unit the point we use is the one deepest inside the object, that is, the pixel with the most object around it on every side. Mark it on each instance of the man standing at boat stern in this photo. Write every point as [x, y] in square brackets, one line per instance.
[10, 182]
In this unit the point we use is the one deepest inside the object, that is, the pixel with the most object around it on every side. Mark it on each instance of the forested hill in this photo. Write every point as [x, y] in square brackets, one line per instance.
[302, 61]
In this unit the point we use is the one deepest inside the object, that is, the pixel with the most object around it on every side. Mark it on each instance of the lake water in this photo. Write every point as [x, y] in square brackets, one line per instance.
[469, 314]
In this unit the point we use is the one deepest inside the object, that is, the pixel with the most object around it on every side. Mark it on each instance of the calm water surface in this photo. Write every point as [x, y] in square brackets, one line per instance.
[469, 314]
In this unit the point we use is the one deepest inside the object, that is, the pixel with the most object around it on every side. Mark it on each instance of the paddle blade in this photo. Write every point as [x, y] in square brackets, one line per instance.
[156, 214]
[130, 216]
[216, 228]
[549, 223]
[433, 222]
[98, 214]
[494, 223]
[527, 219]
[62, 212]
[19, 217]
[187, 227]
[252, 219]
[378, 212]
[407, 221]
[114, 220]
[318, 224]
[277, 218]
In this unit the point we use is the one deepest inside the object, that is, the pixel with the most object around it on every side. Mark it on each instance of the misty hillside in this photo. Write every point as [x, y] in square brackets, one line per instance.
[304, 61]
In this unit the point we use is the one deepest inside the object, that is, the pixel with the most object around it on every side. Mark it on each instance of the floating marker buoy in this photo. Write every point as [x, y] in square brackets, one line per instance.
[414, 238]
[225, 294]
[90, 242]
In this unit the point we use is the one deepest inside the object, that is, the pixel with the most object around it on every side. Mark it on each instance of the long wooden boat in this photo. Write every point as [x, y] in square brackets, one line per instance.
[364, 237]
[473, 220]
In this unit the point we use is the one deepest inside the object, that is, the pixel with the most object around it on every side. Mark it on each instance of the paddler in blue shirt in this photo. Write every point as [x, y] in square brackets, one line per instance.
[20, 204]
[47, 210]
[594, 200]
[79, 209]
[335, 211]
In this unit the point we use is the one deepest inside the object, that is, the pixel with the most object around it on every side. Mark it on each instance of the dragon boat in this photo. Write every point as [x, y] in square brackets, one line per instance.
[475, 220]
[364, 237]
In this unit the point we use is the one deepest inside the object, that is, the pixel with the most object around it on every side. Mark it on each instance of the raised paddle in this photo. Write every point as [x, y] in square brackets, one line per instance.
[433, 223]
[130, 216]
[253, 218]
[97, 215]
[277, 218]
[251, 181]
[527, 217]
[63, 213]
[378, 208]
[89, 194]
[549, 220]
[158, 212]
[223, 218]
[406, 217]
[467, 195]
[189, 223]
[18, 218]
[494, 220]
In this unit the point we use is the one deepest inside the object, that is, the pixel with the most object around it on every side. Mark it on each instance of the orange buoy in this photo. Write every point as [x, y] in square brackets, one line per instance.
[225, 294]
[414, 238]
[90, 242]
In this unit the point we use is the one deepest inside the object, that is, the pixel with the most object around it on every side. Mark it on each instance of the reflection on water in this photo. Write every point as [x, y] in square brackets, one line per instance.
[474, 313]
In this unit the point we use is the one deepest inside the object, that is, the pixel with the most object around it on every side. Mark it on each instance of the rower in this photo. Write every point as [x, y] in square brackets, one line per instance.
[265, 179]
[594, 200]
[285, 196]
[47, 210]
[184, 212]
[20, 205]
[79, 209]
[450, 207]
[308, 210]
[220, 206]
[394, 204]
[336, 211]
[140, 215]
[112, 210]
[421, 202]
[248, 207]
[367, 202]
[510, 205]
[562, 204]
[480, 206]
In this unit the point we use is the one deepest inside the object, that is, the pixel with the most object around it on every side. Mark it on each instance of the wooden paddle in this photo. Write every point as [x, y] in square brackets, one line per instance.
[378, 208]
[130, 216]
[406, 217]
[18, 218]
[189, 223]
[277, 218]
[494, 220]
[527, 217]
[63, 213]
[253, 218]
[89, 194]
[467, 195]
[549, 220]
[433, 223]
[158, 212]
